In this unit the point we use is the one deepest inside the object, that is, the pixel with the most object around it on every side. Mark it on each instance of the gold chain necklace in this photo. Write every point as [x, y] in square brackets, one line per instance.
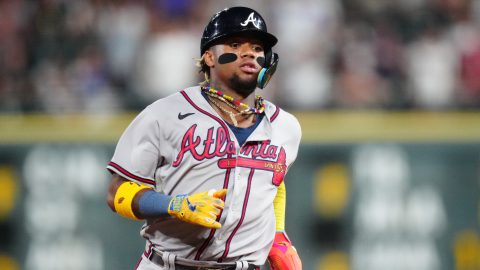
[233, 116]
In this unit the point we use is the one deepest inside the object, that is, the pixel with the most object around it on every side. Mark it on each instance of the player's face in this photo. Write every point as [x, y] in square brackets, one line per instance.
[237, 62]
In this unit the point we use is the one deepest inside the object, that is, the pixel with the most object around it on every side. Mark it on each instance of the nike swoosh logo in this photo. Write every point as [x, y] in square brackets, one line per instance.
[183, 116]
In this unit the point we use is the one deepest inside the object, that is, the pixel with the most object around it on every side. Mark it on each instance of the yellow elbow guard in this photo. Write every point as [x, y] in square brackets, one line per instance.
[124, 197]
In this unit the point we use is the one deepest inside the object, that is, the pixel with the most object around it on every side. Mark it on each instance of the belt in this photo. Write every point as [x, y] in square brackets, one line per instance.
[158, 260]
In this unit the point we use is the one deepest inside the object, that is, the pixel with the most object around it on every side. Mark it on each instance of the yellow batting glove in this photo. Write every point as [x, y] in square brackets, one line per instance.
[201, 208]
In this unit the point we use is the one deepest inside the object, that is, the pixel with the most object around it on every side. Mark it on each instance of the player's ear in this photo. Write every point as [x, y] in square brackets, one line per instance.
[209, 58]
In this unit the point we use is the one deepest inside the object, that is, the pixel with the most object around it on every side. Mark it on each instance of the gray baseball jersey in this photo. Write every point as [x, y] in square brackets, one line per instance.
[179, 144]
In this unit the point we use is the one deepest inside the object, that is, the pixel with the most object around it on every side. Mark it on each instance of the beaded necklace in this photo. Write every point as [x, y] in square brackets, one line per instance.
[234, 104]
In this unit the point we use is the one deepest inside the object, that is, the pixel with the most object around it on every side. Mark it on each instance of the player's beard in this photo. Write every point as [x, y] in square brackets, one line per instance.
[243, 87]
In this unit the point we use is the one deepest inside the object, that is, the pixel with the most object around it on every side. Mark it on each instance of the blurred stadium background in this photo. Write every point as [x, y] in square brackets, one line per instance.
[388, 94]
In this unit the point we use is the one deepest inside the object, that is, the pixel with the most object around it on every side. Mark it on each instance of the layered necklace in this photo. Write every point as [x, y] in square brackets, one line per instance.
[241, 108]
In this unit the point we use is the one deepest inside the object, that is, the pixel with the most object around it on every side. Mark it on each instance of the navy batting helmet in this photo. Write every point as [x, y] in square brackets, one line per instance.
[235, 20]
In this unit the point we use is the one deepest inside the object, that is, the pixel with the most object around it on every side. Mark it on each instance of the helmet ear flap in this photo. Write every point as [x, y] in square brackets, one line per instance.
[269, 68]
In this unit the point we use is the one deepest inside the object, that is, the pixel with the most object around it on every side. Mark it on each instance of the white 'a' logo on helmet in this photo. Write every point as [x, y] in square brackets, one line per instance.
[251, 19]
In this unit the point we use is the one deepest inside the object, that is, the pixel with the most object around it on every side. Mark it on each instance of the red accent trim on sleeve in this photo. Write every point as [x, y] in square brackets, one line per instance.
[275, 114]
[131, 175]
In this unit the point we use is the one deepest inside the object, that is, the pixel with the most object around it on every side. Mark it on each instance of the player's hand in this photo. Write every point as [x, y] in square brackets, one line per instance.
[283, 255]
[201, 208]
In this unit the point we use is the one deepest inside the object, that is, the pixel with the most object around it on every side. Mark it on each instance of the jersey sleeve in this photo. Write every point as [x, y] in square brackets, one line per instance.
[294, 141]
[288, 125]
[137, 153]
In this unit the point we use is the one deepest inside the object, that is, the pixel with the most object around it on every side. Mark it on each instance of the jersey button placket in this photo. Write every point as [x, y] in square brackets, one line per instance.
[236, 191]
[231, 211]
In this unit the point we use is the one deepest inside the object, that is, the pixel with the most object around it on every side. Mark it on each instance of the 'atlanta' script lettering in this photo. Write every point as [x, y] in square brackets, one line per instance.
[262, 150]
[210, 146]
[219, 146]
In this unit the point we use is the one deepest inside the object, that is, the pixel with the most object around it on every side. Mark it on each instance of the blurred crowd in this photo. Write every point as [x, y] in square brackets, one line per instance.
[68, 56]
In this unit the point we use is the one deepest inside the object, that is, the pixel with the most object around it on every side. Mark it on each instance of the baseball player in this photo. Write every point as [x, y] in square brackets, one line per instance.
[204, 167]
